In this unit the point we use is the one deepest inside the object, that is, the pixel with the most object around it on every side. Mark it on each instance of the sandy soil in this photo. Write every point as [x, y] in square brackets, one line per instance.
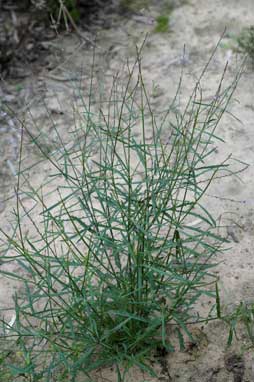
[197, 25]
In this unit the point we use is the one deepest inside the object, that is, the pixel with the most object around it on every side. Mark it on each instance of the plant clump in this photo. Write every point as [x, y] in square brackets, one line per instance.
[246, 41]
[162, 24]
[117, 263]
[133, 6]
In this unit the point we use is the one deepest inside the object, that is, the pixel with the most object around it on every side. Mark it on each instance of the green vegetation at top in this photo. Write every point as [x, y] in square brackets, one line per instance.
[133, 5]
[162, 24]
[246, 41]
[63, 9]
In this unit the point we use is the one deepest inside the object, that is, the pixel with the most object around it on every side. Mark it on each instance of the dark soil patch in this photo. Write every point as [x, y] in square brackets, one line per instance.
[26, 27]
[235, 364]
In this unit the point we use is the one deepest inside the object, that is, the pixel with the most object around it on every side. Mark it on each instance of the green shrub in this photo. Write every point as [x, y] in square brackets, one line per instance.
[117, 263]
[246, 41]
[133, 5]
[244, 314]
[57, 9]
[162, 24]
